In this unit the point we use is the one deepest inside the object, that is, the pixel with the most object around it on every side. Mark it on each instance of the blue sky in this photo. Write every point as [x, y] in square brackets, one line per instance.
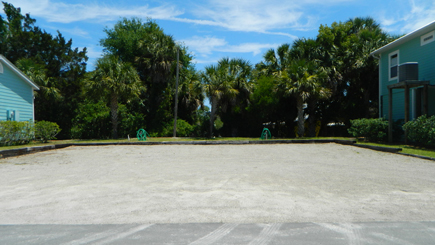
[213, 29]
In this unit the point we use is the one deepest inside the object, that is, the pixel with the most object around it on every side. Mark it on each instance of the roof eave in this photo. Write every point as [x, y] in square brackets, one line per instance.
[421, 31]
[19, 73]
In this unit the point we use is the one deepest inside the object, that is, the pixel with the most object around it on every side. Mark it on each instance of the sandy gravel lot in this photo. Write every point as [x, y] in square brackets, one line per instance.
[215, 183]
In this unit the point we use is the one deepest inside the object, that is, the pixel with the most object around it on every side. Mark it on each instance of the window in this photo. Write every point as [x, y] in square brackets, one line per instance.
[393, 65]
[427, 38]
[1, 68]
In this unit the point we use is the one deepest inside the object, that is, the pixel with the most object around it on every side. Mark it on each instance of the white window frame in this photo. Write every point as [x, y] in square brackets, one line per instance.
[389, 65]
[425, 36]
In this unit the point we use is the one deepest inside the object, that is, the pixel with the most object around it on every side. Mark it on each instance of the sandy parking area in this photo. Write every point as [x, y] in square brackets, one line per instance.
[215, 183]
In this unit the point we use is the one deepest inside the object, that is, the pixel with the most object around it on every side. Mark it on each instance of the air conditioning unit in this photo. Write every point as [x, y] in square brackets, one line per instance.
[408, 71]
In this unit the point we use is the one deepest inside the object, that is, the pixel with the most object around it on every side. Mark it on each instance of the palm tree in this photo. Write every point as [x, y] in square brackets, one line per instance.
[37, 74]
[158, 56]
[301, 79]
[310, 50]
[274, 61]
[239, 72]
[191, 92]
[114, 79]
[220, 83]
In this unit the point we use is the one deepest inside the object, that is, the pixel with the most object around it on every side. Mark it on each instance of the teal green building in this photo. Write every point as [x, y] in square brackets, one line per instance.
[407, 76]
[16, 93]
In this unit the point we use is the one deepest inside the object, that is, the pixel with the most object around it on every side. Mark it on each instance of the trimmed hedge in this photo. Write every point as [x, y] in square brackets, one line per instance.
[421, 130]
[373, 129]
[16, 133]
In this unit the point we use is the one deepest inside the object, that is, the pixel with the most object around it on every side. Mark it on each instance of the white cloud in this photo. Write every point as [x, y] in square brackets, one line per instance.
[73, 31]
[254, 48]
[204, 46]
[243, 15]
[409, 16]
[252, 15]
[54, 11]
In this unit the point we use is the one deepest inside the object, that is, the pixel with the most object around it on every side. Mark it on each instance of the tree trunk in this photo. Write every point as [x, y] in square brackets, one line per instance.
[213, 103]
[301, 119]
[114, 112]
[367, 103]
[312, 119]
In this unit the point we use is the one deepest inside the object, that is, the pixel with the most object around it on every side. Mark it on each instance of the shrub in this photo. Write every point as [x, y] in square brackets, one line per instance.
[45, 131]
[421, 130]
[12, 132]
[184, 129]
[371, 129]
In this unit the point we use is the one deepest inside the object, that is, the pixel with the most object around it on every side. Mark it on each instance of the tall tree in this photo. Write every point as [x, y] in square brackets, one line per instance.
[238, 74]
[192, 95]
[114, 79]
[302, 80]
[153, 54]
[215, 88]
[352, 72]
[227, 85]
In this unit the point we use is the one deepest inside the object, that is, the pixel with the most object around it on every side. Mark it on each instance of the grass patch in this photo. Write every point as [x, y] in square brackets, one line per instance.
[408, 149]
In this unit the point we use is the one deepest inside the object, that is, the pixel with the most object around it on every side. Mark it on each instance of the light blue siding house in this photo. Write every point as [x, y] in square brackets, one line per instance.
[407, 76]
[16, 93]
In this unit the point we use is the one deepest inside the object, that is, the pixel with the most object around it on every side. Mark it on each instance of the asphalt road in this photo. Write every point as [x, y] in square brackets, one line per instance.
[229, 233]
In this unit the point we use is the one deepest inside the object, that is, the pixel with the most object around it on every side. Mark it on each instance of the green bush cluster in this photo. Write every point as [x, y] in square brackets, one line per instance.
[421, 130]
[13, 133]
[16, 133]
[45, 131]
[373, 129]
[184, 129]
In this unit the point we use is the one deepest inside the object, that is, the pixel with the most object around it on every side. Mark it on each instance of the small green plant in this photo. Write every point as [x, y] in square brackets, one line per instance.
[45, 131]
[421, 130]
[373, 129]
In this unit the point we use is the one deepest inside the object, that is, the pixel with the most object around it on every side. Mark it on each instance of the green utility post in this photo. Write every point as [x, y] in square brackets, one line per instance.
[265, 134]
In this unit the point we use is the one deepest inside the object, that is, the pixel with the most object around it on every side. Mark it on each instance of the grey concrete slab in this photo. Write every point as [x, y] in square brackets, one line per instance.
[218, 233]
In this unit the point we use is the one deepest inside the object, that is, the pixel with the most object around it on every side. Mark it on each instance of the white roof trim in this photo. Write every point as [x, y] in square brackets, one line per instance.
[18, 72]
[421, 31]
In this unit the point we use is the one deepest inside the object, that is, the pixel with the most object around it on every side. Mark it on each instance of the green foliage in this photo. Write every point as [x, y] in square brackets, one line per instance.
[184, 129]
[92, 121]
[13, 133]
[218, 124]
[153, 54]
[114, 80]
[228, 87]
[45, 131]
[373, 129]
[421, 130]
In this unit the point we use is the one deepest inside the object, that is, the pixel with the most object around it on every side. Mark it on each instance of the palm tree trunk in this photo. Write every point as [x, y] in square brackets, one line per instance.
[312, 119]
[301, 119]
[213, 103]
[114, 112]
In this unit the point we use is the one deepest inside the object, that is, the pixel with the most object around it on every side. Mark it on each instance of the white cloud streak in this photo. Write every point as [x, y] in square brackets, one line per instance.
[409, 16]
[203, 46]
[262, 16]
[61, 12]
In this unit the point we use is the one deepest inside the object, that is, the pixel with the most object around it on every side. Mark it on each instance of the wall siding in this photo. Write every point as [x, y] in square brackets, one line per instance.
[411, 51]
[15, 94]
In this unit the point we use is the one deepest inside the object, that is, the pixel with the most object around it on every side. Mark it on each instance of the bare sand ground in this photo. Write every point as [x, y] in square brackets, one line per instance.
[215, 183]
